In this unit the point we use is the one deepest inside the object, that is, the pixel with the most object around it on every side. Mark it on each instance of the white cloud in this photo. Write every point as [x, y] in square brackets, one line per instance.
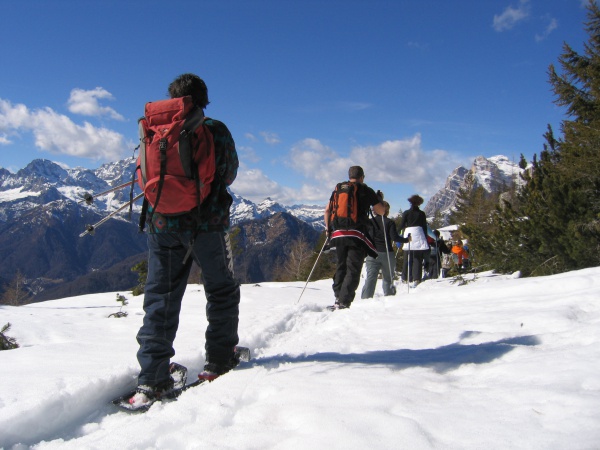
[12, 117]
[270, 138]
[313, 159]
[552, 25]
[254, 185]
[86, 103]
[58, 134]
[405, 162]
[396, 163]
[511, 16]
[247, 154]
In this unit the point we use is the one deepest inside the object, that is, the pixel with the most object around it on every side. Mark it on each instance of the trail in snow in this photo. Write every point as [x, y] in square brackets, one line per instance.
[498, 363]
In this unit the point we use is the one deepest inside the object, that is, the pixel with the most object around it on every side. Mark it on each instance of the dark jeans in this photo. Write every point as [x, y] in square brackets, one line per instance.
[415, 272]
[351, 254]
[434, 266]
[165, 286]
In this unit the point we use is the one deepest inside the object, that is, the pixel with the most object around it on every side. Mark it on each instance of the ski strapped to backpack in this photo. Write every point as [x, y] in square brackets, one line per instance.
[176, 164]
[344, 206]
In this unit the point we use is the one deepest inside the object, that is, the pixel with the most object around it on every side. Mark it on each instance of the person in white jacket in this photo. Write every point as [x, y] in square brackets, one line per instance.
[414, 224]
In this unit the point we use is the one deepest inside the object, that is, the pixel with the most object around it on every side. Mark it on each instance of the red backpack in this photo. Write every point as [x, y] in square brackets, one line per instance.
[176, 164]
[344, 206]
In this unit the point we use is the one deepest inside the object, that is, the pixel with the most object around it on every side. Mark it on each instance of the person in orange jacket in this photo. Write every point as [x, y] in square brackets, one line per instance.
[462, 257]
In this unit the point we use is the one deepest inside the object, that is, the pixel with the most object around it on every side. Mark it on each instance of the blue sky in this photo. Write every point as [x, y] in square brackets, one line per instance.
[407, 89]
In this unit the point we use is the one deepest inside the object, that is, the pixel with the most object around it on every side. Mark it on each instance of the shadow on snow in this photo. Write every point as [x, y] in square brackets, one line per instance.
[441, 359]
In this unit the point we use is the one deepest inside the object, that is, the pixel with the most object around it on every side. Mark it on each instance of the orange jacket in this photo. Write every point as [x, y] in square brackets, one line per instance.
[460, 252]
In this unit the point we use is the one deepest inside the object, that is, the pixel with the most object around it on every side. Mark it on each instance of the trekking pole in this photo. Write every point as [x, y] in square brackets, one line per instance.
[392, 287]
[437, 259]
[313, 268]
[91, 228]
[408, 272]
[89, 198]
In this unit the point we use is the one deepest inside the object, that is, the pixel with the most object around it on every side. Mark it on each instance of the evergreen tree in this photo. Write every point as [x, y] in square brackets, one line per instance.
[553, 224]
[474, 206]
[6, 342]
[523, 162]
[578, 157]
[142, 270]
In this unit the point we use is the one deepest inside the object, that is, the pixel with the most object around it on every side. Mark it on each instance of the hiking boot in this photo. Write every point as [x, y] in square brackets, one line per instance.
[214, 370]
[338, 305]
[146, 395]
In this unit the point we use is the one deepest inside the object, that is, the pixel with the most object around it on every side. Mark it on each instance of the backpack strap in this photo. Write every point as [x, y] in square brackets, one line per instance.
[186, 152]
[142, 222]
[351, 195]
[194, 120]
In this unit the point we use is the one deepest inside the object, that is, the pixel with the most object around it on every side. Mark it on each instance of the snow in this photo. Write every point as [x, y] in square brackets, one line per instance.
[15, 194]
[74, 193]
[502, 362]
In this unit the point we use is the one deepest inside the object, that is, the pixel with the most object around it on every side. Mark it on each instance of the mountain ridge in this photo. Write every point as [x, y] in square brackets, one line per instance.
[43, 212]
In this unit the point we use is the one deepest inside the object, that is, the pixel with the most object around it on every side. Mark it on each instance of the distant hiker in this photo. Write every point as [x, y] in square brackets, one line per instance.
[414, 223]
[438, 249]
[460, 256]
[176, 240]
[346, 222]
[386, 259]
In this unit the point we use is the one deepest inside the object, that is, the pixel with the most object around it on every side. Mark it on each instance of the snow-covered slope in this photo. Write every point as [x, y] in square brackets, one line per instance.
[501, 363]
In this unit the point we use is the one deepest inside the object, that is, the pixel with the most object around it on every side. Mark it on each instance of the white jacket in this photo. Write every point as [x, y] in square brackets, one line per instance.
[418, 239]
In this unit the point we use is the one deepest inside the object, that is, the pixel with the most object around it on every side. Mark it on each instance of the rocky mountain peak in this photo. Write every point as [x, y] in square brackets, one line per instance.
[493, 174]
[44, 169]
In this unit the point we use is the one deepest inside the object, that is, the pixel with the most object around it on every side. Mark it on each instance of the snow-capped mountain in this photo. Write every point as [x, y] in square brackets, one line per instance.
[494, 174]
[244, 210]
[44, 181]
[43, 212]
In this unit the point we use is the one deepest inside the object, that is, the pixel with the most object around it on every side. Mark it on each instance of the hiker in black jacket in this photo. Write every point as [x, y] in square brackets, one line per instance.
[414, 223]
[384, 235]
[350, 237]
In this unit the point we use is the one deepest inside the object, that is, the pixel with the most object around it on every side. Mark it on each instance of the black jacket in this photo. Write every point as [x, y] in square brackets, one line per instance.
[391, 234]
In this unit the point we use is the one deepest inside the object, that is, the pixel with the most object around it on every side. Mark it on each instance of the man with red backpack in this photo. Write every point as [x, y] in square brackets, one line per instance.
[347, 222]
[186, 163]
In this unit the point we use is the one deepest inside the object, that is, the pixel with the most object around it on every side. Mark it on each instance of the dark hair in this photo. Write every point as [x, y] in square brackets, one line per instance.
[415, 200]
[387, 208]
[190, 84]
[355, 172]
